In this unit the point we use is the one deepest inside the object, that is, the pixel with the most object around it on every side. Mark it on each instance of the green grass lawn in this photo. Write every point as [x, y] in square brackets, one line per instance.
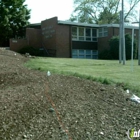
[105, 71]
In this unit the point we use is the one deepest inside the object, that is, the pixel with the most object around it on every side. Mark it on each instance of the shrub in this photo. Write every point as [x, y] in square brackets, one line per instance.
[105, 54]
[32, 51]
[114, 47]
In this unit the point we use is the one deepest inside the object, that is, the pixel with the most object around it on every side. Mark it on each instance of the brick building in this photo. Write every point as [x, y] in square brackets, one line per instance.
[69, 39]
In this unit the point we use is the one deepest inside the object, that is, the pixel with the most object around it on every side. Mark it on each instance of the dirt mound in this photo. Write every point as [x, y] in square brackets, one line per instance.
[37, 107]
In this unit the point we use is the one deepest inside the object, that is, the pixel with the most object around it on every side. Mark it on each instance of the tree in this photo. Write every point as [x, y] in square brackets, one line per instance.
[103, 11]
[14, 17]
[107, 17]
[84, 11]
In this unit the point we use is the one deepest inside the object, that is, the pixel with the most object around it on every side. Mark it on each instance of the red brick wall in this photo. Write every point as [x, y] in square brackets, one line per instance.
[49, 34]
[103, 42]
[17, 44]
[34, 37]
[63, 41]
[56, 38]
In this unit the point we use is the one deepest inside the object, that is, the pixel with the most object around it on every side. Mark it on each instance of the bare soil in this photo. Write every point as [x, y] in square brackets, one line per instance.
[34, 106]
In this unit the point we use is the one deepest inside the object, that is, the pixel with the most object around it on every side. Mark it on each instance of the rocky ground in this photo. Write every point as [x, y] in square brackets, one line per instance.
[34, 106]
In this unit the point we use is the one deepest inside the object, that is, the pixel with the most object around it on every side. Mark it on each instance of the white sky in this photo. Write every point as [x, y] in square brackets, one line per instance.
[44, 9]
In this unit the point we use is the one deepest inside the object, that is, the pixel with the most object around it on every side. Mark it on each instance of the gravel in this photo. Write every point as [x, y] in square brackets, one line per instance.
[35, 106]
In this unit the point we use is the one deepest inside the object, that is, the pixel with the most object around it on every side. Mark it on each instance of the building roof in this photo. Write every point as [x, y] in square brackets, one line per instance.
[34, 25]
[126, 25]
[77, 24]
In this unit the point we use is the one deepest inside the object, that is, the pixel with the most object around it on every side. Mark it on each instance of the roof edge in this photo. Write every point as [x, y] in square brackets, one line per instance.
[77, 24]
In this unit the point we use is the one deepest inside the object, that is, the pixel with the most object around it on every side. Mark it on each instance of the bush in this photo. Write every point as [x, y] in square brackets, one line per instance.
[105, 54]
[114, 47]
[32, 51]
[113, 52]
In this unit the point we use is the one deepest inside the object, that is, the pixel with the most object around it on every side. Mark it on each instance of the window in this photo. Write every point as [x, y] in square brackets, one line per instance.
[103, 32]
[94, 33]
[81, 33]
[88, 52]
[94, 39]
[74, 33]
[88, 34]
[81, 53]
[74, 53]
[84, 34]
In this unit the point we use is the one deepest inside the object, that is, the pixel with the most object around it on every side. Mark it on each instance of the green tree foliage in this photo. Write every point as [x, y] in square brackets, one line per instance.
[107, 17]
[113, 52]
[102, 11]
[14, 16]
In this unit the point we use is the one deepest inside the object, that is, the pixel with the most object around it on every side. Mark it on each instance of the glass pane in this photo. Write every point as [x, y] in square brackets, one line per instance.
[81, 56]
[100, 29]
[74, 37]
[94, 57]
[105, 33]
[88, 38]
[88, 32]
[100, 34]
[81, 31]
[88, 52]
[94, 32]
[74, 56]
[81, 38]
[74, 52]
[74, 31]
[88, 56]
[94, 39]
[81, 52]
[105, 29]
[95, 52]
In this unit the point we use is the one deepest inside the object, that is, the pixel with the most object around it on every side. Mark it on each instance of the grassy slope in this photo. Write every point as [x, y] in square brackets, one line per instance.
[99, 69]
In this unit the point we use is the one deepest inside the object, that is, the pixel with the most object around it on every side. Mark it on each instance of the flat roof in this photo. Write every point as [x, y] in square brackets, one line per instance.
[34, 24]
[77, 23]
[126, 25]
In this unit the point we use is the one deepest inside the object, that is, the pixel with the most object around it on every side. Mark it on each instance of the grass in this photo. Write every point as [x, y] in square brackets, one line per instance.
[104, 71]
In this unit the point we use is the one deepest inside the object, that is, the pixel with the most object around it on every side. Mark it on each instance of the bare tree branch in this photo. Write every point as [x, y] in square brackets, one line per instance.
[131, 8]
[109, 9]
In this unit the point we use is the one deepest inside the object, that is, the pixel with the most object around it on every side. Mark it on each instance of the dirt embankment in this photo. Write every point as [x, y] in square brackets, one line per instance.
[36, 107]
